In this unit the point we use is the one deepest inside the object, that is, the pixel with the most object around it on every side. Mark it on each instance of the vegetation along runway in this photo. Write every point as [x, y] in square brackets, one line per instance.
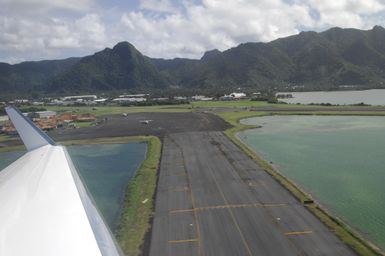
[212, 199]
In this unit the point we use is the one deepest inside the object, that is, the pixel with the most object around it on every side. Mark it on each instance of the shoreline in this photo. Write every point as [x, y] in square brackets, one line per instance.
[135, 218]
[134, 222]
[346, 233]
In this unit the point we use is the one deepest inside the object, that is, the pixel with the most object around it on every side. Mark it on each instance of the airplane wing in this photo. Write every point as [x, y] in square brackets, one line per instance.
[45, 209]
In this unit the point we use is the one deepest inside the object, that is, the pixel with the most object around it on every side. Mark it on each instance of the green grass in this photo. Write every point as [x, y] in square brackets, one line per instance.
[4, 137]
[233, 118]
[139, 202]
[84, 124]
[110, 110]
[249, 103]
[341, 229]
[110, 140]
[12, 148]
[235, 103]
[245, 103]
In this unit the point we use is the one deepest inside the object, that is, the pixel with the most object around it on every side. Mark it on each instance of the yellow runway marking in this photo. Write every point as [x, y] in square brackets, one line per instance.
[198, 240]
[299, 233]
[182, 241]
[226, 207]
[182, 211]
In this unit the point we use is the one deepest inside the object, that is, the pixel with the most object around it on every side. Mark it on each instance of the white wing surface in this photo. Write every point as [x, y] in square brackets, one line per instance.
[44, 208]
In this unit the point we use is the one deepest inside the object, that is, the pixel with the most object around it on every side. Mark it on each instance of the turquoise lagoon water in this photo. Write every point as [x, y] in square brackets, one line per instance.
[370, 97]
[106, 170]
[340, 161]
[7, 158]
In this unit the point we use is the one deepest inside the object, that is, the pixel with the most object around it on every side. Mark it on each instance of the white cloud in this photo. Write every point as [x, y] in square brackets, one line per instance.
[214, 25]
[158, 6]
[347, 13]
[45, 38]
[223, 24]
[39, 29]
[37, 6]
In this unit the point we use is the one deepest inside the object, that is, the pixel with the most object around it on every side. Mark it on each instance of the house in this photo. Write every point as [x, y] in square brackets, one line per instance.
[4, 119]
[9, 130]
[47, 124]
[67, 117]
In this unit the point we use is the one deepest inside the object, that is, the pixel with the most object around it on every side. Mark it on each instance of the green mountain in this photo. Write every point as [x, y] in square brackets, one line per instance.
[309, 61]
[327, 60]
[122, 67]
[31, 76]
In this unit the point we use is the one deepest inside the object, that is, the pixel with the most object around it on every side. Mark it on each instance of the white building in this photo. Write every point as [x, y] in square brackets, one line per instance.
[80, 98]
[201, 98]
[128, 100]
[238, 95]
[180, 98]
[133, 95]
[45, 114]
[103, 100]
[4, 120]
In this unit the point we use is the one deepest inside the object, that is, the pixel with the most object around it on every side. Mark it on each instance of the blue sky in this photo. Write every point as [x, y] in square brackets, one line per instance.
[53, 29]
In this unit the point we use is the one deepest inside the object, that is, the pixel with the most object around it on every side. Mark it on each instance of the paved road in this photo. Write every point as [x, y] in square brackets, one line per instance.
[214, 200]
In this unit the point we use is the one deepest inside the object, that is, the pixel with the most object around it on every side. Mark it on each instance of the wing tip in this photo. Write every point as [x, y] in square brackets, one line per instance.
[32, 136]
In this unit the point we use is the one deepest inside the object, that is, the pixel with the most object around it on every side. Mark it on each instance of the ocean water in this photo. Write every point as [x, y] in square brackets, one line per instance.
[7, 158]
[340, 161]
[105, 169]
[371, 97]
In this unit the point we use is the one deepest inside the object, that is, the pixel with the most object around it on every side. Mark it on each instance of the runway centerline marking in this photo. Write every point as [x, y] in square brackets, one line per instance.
[183, 241]
[256, 205]
[299, 233]
[198, 240]
[230, 209]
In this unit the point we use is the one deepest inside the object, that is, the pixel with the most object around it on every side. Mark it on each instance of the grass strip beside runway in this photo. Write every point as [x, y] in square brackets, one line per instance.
[341, 229]
[135, 220]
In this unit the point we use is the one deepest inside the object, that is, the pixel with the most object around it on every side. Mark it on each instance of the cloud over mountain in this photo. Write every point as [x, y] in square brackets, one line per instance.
[41, 29]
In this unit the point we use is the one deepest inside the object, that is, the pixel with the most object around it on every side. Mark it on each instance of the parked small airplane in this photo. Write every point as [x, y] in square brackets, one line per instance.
[145, 121]
[45, 209]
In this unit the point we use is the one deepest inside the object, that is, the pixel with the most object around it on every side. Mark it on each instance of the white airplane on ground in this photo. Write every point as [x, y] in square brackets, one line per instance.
[145, 121]
[45, 209]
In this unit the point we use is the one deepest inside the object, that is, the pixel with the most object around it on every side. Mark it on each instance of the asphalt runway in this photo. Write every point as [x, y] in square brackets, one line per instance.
[212, 199]
[159, 124]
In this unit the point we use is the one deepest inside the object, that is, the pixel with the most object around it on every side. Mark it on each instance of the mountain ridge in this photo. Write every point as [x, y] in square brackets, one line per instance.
[311, 60]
